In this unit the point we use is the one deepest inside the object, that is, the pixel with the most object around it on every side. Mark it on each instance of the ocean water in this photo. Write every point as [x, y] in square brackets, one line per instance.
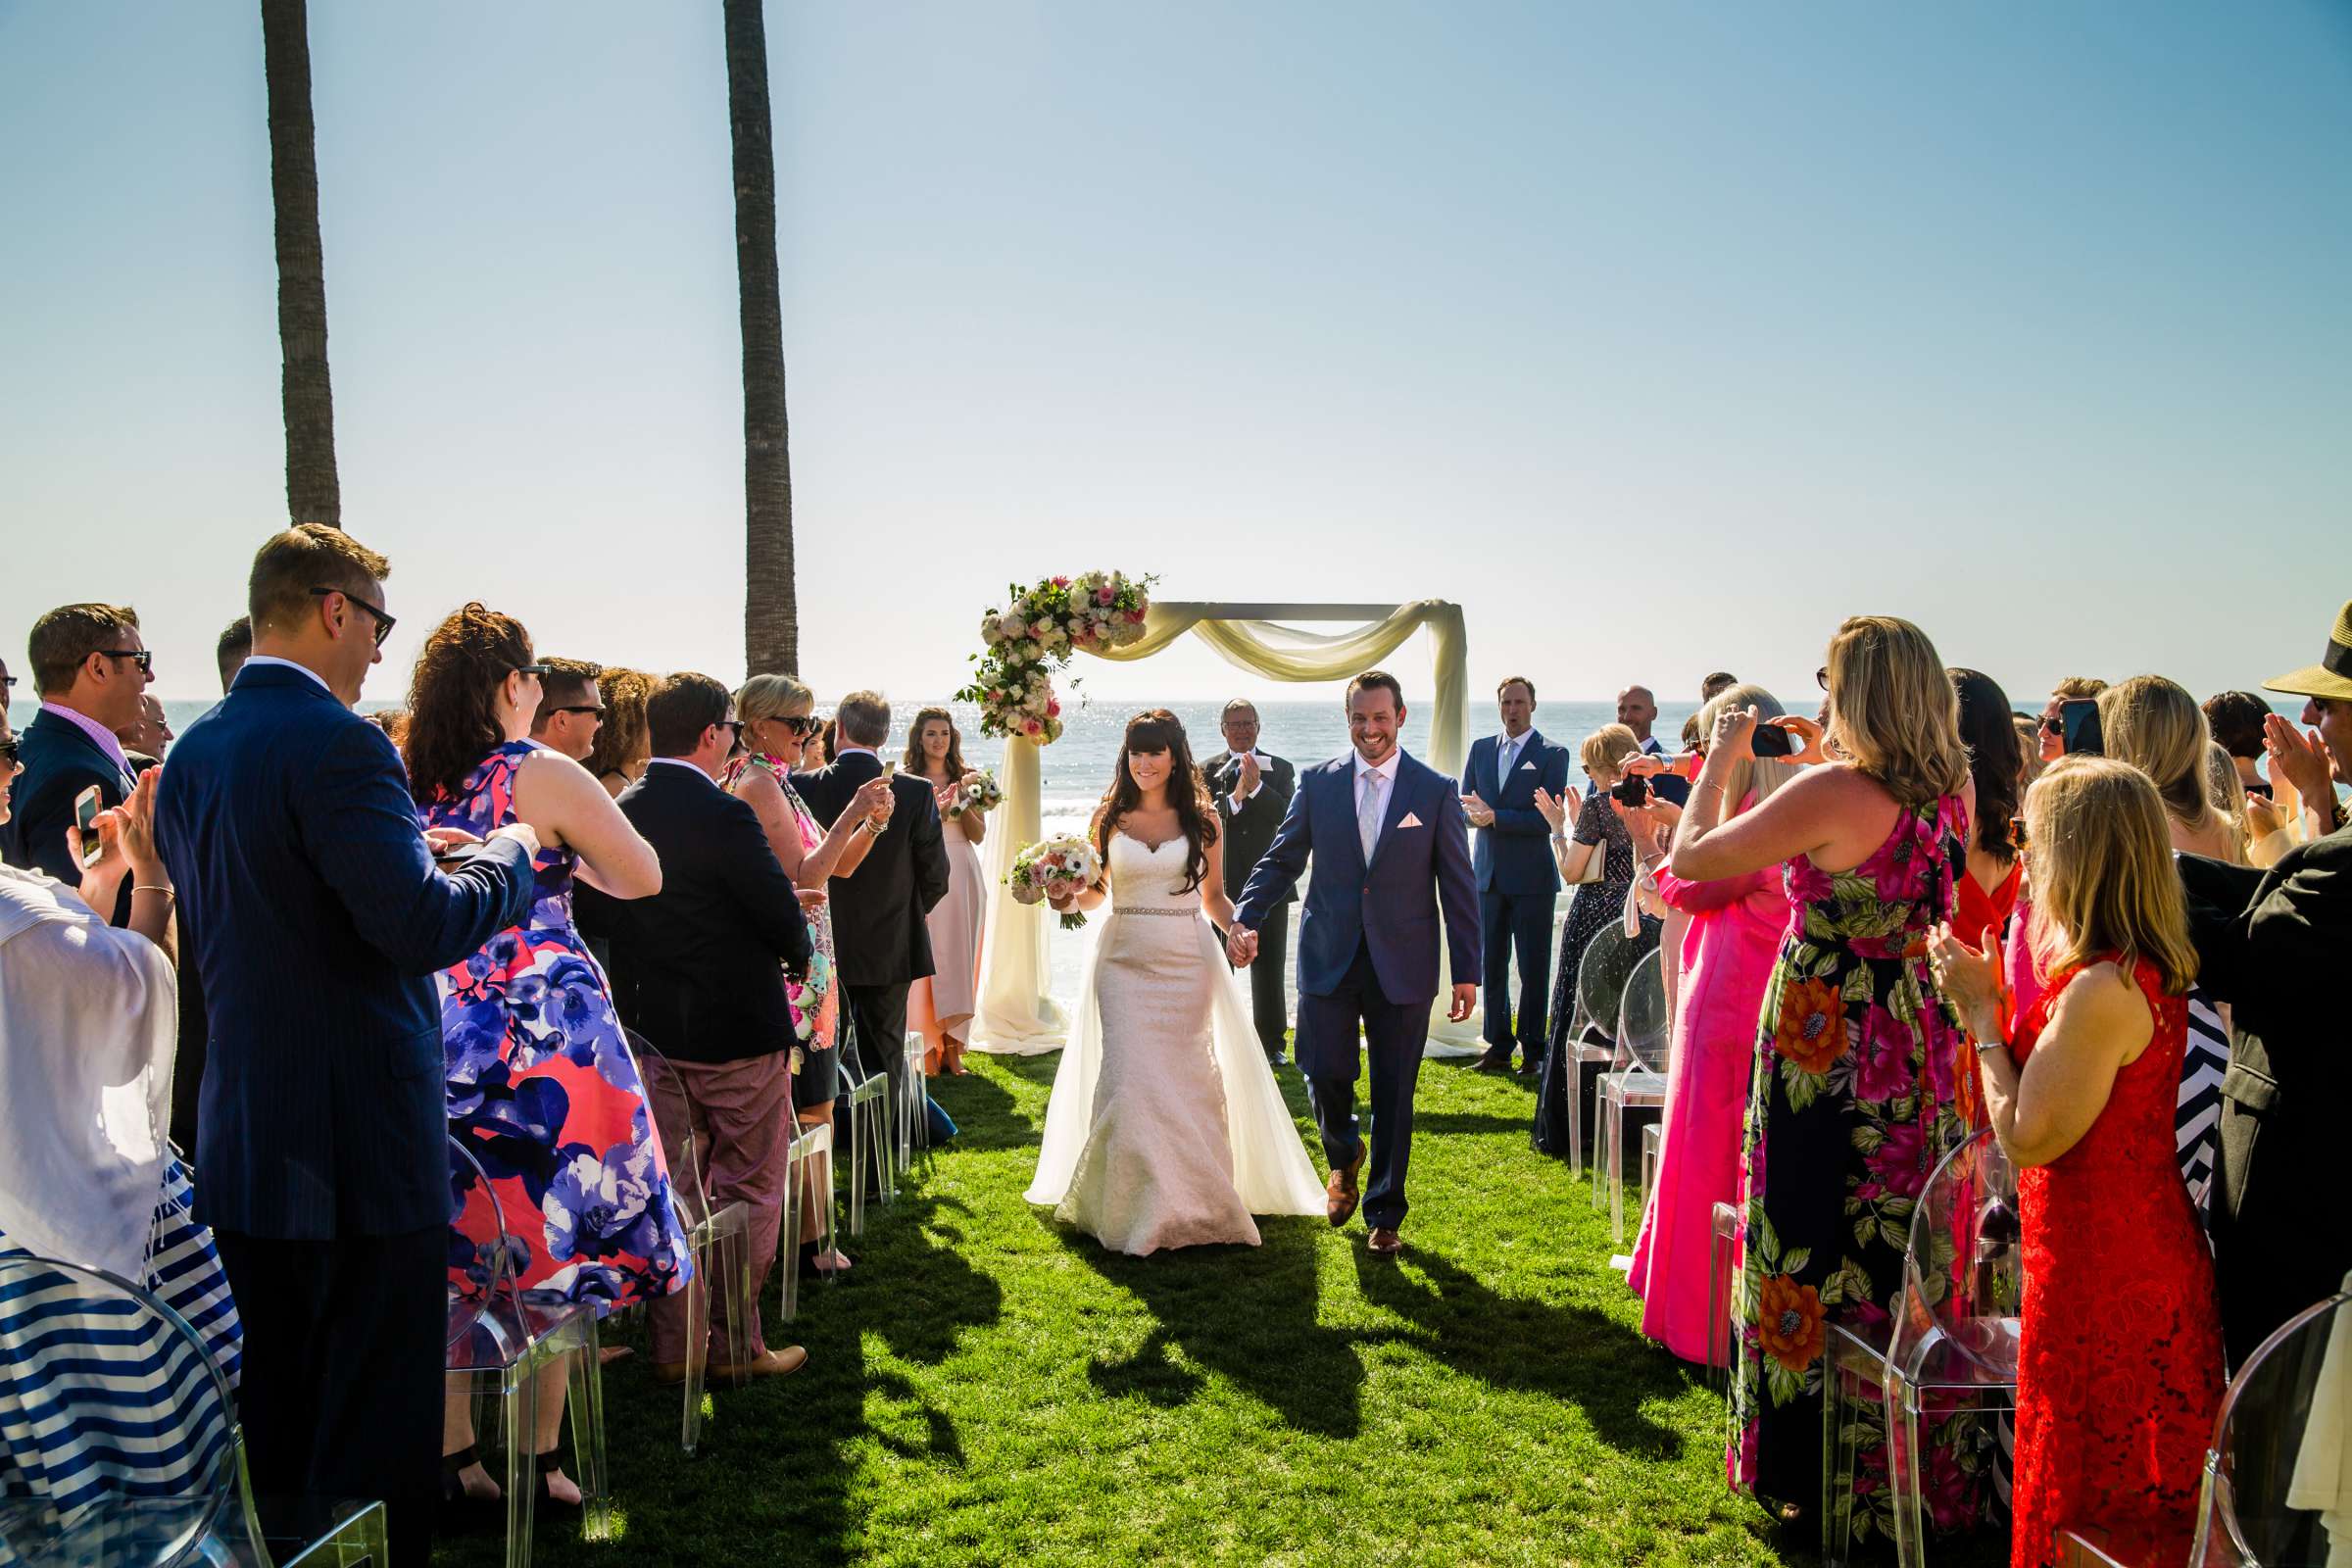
[1075, 771]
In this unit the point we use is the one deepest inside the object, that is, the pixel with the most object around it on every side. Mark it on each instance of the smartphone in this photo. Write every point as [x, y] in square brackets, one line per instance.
[1630, 791]
[890, 770]
[1771, 740]
[2079, 733]
[86, 806]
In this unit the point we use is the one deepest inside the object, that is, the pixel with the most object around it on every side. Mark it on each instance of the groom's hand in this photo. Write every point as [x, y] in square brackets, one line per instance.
[1241, 946]
[1465, 1002]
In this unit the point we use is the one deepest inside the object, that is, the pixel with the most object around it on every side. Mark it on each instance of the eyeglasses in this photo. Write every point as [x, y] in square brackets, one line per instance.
[1823, 675]
[137, 656]
[383, 622]
[577, 709]
[2017, 833]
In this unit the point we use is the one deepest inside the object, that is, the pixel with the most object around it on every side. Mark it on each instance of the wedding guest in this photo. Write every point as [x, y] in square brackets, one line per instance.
[2226, 792]
[8, 687]
[570, 712]
[879, 913]
[1724, 958]
[85, 1043]
[1583, 827]
[2050, 733]
[1989, 892]
[1853, 1094]
[2236, 718]
[2113, 1408]
[89, 667]
[542, 1087]
[819, 751]
[1518, 884]
[2028, 747]
[1253, 791]
[701, 969]
[1637, 711]
[776, 714]
[2271, 943]
[941, 1004]
[620, 749]
[312, 909]
[232, 650]
[145, 739]
[1716, 685]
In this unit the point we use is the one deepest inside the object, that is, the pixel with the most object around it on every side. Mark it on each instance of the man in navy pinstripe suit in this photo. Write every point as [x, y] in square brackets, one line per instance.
[311, 906]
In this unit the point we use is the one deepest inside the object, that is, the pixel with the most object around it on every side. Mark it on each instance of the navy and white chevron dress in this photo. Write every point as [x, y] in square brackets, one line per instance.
[2197, 1116]
[100, 1399]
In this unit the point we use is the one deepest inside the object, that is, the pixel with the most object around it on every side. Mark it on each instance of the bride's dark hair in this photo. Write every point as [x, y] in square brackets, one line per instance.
[1157, 730]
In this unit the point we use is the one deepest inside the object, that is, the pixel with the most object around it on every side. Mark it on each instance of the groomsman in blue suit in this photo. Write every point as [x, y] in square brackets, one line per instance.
[1518, 883]
[311, 904]
[1393, 855]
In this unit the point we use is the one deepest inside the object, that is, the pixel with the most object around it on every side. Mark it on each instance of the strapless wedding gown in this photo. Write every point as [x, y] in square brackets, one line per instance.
[1165, 1128]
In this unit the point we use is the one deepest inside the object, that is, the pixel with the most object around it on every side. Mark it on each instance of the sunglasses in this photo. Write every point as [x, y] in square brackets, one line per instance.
[2017, 834]
[804, 727]
[733, 726]
[8, 752]
[2051, 727]
[579, 708]
[1823, 675]
[137, 656]
[530, 669]
[383, 622]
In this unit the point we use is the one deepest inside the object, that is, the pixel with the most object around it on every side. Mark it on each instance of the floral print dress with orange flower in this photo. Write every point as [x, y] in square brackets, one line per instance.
[1851, 1105]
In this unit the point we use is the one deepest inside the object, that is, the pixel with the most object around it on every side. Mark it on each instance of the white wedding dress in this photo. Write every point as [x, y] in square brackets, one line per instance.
[1165, 1128]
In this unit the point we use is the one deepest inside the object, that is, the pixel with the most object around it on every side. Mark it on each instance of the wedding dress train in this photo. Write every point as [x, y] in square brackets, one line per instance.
[1165, 1128]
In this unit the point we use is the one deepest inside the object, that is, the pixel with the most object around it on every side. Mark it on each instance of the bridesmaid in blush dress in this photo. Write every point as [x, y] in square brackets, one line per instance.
[940, 1007]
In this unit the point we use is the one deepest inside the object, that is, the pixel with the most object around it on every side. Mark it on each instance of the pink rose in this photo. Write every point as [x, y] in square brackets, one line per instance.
[1053, 707]
[1105, 594]
[1030, 726]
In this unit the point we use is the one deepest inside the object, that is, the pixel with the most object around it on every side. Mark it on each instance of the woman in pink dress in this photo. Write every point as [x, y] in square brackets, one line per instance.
[1734, 933]
[941, 1006]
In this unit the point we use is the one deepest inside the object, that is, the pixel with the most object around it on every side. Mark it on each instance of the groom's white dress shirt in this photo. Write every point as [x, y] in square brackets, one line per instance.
[1373, 782]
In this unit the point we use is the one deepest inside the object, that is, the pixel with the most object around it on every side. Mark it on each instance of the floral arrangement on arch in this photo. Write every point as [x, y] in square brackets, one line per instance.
[1035, 634]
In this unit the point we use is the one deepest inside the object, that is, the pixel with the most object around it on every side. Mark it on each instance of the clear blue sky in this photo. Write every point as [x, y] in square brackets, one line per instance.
[1660, 336]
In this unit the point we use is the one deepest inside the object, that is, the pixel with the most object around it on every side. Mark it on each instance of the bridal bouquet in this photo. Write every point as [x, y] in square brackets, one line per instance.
[981, 794]
[1057, 866]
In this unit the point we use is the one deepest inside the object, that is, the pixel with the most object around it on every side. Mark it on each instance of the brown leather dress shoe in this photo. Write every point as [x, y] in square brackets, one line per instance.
[1384, 1242]
[1493, 1061]
[1339, 1192]
[769, 1363]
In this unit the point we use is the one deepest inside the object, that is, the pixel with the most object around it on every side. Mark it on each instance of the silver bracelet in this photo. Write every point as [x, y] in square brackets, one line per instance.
[154, 887]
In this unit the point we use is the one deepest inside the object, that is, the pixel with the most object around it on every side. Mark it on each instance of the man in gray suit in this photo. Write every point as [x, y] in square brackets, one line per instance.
[1253, 791]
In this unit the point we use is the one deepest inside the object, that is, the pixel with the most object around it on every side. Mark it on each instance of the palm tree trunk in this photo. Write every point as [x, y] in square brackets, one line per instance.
[312, 492]
[771, 619]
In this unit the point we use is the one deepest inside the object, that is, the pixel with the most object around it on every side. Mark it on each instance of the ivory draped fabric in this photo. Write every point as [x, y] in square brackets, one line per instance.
[1016, 1016]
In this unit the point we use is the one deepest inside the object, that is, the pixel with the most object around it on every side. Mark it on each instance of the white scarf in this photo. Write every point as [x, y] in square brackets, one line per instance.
[88, 1021]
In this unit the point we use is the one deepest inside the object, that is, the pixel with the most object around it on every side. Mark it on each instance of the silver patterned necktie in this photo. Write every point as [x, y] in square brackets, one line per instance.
[1367, 813]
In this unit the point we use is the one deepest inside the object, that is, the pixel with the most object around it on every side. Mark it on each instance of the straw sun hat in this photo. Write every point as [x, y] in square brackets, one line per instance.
[2331, 676]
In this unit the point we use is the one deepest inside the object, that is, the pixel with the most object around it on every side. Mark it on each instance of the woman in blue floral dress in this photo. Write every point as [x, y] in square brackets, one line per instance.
[542, 1087]
[1857, 1061]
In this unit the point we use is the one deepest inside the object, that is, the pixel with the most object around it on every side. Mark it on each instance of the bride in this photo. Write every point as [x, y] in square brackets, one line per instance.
[1165, 1128]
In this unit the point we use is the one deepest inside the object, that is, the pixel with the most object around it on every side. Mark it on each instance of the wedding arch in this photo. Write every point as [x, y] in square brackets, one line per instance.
[1015, 1013]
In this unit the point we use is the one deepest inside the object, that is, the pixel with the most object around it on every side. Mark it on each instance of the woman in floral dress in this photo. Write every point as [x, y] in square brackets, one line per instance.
[1853, 1100]
[542, 1087]
[777, 714]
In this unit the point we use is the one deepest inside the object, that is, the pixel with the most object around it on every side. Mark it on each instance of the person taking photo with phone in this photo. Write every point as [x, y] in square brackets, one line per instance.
[89, 667]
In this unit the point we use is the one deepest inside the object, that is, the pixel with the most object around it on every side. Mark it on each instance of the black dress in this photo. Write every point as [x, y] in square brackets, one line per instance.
[1594, 906]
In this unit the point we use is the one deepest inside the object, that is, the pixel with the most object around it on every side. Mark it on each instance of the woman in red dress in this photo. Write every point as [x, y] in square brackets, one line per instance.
[2119, 1354]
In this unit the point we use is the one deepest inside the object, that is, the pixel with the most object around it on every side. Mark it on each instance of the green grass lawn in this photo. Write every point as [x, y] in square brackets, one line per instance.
[987, 1387]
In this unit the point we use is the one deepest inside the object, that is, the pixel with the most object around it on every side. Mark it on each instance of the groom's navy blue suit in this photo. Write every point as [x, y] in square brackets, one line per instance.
[1368, 950]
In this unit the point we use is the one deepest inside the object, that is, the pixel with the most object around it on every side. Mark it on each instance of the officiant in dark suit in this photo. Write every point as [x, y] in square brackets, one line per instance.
[881, 944]
[1253, 791]
[1518, 884]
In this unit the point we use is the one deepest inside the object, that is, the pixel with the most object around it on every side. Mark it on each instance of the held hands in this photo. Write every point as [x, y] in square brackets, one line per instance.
[1241, 946]
[2301, 760]
[1475, 807]
[1465, 1002]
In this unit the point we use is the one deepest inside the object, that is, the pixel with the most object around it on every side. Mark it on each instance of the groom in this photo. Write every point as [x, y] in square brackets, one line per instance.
[1393, 846]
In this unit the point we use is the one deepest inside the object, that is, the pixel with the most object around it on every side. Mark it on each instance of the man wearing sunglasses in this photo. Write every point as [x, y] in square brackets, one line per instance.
[570, 712]
[89, 669]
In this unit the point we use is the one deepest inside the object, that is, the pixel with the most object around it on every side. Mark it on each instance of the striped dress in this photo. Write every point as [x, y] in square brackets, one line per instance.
[101, 1399]
[2197, 1116]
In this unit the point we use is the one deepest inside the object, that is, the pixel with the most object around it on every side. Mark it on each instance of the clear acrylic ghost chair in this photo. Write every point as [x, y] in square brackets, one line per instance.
[1723, 1269]
[911, 1115]
[1637, 1077]
[1601, 972]
[865, 1104]
[1653, 1143]
[718, 1236]
[499, 1339]
[1950, 1346]
[2282, 1447]
[808, 1179]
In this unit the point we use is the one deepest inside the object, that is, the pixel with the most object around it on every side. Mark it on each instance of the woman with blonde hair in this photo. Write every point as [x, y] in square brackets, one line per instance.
[940, 1004]
[1854, 1092]
[1582, 828]
[2113, 1408]
[1730, 930]
[777, 716]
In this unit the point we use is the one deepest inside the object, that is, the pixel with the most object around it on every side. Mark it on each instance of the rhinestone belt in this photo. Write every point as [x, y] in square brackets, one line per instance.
[1145, 908]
